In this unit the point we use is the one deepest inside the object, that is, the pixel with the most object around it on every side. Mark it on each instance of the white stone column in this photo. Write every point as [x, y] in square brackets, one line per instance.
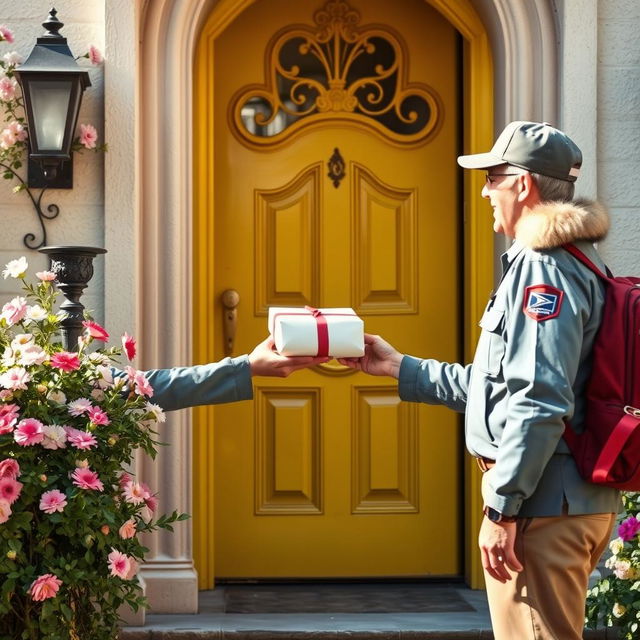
[157, 211]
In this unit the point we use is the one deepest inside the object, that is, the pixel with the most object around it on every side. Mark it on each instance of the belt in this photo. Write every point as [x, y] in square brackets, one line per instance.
[485, 464]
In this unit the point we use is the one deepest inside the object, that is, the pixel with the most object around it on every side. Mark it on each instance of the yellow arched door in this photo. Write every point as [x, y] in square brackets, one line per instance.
[336, 128]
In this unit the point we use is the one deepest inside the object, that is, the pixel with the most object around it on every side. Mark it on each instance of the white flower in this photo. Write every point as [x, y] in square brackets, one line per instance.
[99, 358]
[8, 357]
[32, 355]
[22, 341]
[610, 562]
[12, 59]
[36, 313]
[55, 437]
[98, 395]
[616, 546]
[16, 268]
[618, 610]
[15, 378]
[79, 406]
[157, 411]
[623, 570]
[57, 396]
[105, 377]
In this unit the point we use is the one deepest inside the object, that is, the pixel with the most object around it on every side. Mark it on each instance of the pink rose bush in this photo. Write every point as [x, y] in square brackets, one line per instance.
[13, 129]
[614, 600]
[71, 510]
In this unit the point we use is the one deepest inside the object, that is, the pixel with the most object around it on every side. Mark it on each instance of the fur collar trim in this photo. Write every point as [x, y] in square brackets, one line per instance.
[552, 224]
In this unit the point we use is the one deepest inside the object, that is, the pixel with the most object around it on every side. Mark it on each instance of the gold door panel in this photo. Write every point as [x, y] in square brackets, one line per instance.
[385, 269]
[288, 460]
[287, 254]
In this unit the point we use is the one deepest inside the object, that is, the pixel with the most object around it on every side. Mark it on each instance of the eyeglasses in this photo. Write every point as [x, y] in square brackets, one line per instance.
[490, 177]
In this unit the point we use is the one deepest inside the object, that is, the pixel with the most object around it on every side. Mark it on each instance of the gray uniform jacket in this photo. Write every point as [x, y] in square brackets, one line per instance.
[180, 387]
[530, 368]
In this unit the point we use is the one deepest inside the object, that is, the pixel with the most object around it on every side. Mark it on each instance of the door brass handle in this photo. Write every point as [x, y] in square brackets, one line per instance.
[230, 299]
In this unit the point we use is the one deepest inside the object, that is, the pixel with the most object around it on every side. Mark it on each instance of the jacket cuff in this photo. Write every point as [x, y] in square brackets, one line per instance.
[242, 378]
[408, 378]
[506, 505]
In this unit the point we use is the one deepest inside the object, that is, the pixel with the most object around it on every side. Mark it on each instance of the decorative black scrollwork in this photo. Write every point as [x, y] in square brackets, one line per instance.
[336, 69]
[30, 239]
[336, 167]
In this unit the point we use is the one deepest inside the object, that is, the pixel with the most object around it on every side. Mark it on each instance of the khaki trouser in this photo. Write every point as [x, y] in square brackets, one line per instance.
[546, 601]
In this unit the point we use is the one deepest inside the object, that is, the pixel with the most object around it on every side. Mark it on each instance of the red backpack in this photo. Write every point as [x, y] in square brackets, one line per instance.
[607, 452]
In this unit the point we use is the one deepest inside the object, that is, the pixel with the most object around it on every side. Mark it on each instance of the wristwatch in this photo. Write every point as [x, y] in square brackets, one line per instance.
[495, 516]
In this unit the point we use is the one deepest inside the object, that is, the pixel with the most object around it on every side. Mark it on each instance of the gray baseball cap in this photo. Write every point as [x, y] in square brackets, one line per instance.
[534, 146]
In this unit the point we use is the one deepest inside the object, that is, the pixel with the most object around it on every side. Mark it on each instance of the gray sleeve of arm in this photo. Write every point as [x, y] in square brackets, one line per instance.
[434, 382]
[539, 366]
[180, 387]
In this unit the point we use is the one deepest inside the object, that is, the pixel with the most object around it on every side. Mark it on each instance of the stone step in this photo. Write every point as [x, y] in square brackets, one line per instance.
[310, 634]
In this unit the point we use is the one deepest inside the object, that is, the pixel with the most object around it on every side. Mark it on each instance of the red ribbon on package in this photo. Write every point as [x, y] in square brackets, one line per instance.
[322, 329]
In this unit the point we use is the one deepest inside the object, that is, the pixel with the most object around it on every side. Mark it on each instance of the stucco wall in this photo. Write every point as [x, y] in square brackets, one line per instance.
[81, 209]
[618, 134]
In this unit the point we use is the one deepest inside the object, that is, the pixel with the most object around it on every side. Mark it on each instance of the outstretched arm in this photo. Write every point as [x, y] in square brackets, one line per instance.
[429, 381]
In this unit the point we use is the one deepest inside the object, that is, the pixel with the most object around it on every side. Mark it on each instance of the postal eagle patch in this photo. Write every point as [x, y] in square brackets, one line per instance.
[542, 302]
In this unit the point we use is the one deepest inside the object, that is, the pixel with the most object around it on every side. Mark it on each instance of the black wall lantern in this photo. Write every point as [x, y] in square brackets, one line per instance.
[52, 86]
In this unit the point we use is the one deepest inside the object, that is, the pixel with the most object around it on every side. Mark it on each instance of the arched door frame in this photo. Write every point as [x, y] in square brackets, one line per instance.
[159, 190]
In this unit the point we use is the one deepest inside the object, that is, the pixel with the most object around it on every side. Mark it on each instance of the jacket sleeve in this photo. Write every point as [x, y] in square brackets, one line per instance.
[540, 363]
[180, 387]
[434, 382]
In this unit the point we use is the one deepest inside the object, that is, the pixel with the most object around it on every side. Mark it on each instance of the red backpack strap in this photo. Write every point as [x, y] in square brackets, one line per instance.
[576, 253]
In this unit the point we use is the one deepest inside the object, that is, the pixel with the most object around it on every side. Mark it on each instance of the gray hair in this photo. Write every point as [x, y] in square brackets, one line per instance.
[553, 189]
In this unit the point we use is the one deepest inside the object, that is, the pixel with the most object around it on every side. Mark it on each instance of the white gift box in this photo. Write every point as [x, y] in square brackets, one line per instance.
[304, 331]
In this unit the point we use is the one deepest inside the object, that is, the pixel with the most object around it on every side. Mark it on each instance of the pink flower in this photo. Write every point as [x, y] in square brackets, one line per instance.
[79, 406]
[124, 478]
[6, 34]
[94, 55]
[80, 439]
[628, 529]
[8, 88]
[134, 492]
[65, 361]
[52, 501]
[8, 417]
[15, 378]
[128, 529]
[14, 311]
[87, 479]
[46, 276]
[98, 416]
[9, 468]
[44, 587]
[15, 132]
[5, 510]
[142, 386]
[28, 432]
[119, 564]
[129, 346]
[151, 502]
[13, 59]
[10, 489]
[88, 136]
[95, 330]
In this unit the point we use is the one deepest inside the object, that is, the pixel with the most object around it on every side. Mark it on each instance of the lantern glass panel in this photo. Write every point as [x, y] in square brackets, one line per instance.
[50, 104]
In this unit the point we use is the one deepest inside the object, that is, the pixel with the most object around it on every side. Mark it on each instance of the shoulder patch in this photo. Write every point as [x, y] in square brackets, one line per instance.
[542, 302]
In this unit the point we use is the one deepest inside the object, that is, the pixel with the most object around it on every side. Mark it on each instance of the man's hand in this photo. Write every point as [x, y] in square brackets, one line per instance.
[496, 541]
[379, 359]
[266, 361]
